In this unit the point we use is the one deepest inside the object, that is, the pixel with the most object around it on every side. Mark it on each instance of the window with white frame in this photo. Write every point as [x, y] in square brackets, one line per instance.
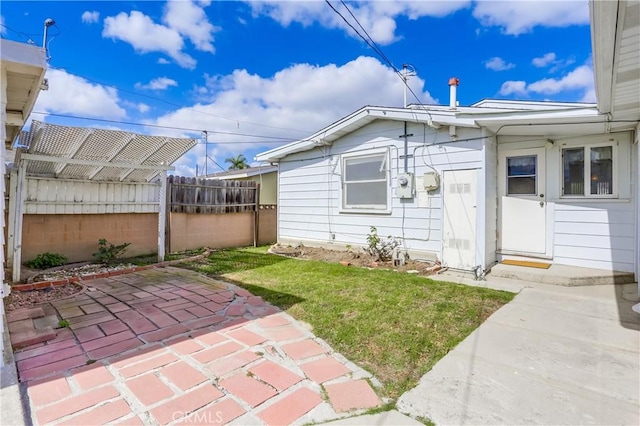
[588, 171]
[365, 182]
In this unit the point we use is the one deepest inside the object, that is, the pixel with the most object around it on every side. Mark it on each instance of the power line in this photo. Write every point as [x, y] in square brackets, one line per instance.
[372, 44]
[104, 120]
[181, 106]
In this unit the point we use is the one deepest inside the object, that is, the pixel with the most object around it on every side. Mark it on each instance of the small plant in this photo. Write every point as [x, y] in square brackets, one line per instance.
[380, 249]
[108, 253]
[47, 260]
[63, 323]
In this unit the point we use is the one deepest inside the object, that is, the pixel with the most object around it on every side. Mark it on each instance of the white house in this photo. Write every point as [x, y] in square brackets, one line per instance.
[473, 185]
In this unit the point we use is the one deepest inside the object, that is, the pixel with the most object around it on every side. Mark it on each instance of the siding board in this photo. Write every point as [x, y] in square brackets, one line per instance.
[310, 191]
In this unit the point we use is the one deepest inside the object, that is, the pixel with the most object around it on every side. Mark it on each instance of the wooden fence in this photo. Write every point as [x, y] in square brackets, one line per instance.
[197, 195]
[216, 214]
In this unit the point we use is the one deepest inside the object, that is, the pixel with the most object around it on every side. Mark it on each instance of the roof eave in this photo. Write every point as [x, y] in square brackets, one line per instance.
[365, 115]
[604, 21]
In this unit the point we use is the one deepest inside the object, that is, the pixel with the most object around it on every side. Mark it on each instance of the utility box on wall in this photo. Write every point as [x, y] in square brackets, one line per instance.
[404, 188]
[431, 181]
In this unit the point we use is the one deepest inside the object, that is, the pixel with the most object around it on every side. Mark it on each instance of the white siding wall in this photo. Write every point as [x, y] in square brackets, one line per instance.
[310, 188]
[587, 232]
[599, 234]
[60, 196]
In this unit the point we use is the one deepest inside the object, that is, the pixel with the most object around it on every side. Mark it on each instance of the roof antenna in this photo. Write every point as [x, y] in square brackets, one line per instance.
[408, 70]
[47, 23]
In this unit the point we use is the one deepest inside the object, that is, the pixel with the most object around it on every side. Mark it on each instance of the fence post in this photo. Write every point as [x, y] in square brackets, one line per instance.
[256, 216]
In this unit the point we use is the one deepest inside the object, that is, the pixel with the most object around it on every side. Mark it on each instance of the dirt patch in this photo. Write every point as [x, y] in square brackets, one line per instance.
[26, 299]
[69, 271]
[355, 257]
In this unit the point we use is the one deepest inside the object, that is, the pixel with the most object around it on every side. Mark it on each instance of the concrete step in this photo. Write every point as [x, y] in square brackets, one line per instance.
[563, 275]
[31, 337]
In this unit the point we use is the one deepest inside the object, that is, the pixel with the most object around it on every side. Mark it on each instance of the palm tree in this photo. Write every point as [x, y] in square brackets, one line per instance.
[238, 162]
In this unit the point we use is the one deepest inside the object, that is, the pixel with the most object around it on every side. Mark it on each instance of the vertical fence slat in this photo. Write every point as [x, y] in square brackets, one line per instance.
[194, 195]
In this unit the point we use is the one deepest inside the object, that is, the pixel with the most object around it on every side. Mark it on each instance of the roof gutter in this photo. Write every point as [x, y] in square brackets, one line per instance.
[604, 32]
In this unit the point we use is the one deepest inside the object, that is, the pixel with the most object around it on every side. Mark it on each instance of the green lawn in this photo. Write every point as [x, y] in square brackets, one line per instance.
[395, 325]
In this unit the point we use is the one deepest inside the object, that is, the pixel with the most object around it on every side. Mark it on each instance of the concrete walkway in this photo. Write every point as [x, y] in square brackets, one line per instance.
[170, 346]
[554, 355]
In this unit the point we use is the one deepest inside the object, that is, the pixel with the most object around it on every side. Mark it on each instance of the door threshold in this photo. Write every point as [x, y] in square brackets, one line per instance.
[524, 255]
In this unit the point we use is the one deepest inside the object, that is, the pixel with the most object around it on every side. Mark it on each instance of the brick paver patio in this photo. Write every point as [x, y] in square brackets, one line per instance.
[169, 346]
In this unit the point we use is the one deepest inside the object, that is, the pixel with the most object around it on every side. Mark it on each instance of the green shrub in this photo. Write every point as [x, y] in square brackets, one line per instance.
[380, 249]
[47, 260]
[108, 253]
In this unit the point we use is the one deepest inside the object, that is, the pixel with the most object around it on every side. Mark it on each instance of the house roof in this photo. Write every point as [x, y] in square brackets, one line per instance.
[503, 117]
[243, 173]
[615, 37]
[98, 154]
[25, 68]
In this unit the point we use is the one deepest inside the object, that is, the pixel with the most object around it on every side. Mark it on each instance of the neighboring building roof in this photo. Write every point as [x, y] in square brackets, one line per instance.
[615, 38]
[506, 117]
[25, 68]
[243, 173]
[98, 154]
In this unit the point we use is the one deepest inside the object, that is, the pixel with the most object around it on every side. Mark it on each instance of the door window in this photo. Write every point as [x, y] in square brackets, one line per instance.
[521, 175]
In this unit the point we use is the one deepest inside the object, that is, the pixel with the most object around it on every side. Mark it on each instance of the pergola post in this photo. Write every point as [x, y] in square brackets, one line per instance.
[17, 228]
[162, 215]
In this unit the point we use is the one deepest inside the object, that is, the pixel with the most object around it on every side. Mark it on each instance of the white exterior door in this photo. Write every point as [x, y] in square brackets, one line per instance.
[522, 211]
[459, 219]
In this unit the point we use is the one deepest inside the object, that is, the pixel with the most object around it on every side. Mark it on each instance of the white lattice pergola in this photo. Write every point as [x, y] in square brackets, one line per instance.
[73, 170]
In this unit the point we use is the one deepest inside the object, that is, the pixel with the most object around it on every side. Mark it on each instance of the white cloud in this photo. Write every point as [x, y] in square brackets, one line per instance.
[143, 108]
[90, 17]
[70, 94]
[578, 80]
[377, 17]
[190, 21]
[544, 60]
[519, 17]
[160, 83]
[3, 30]
[183, 19]
[513, 88]
[550, 60]
[146, 36]
[498, 64]
[322, 95]
[589, 96]
[163, 61]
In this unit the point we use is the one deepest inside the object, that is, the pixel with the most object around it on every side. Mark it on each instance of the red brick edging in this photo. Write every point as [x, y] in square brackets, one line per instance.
[40, 285]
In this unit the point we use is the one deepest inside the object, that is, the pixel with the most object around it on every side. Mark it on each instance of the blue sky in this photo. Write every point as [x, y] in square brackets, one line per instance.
[258, 74]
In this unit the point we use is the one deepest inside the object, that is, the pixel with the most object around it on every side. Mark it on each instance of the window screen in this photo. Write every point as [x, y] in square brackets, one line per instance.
[365, 182]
